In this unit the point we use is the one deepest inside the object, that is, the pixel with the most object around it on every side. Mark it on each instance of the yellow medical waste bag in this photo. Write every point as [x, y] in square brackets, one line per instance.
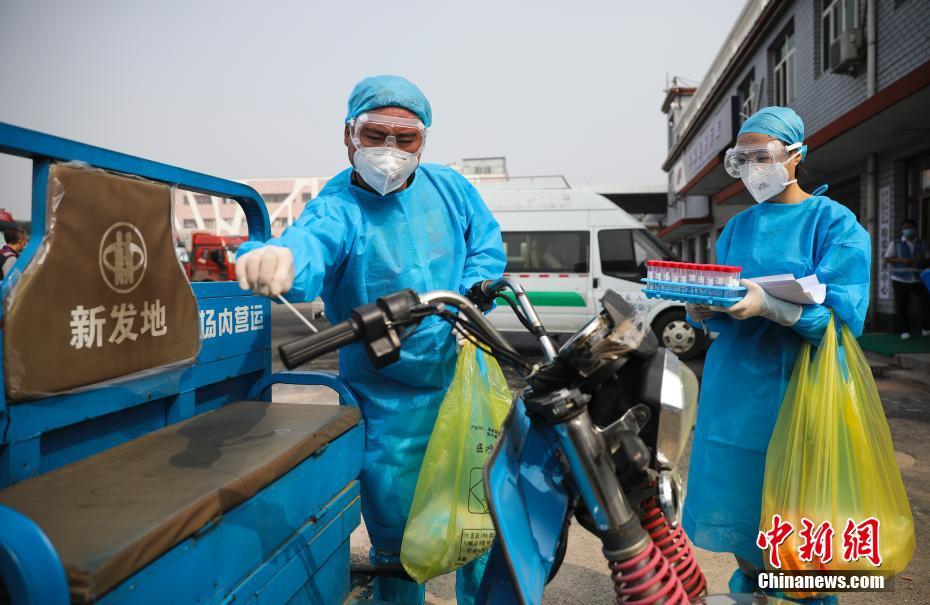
[831, 476]
[449, 522]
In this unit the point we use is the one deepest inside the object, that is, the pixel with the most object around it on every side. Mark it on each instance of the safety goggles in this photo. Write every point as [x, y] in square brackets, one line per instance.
[738, 157]
[378, 130]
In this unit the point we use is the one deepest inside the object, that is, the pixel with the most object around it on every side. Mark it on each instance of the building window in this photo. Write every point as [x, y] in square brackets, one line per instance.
[280, 222]
[274, 198]
[748, 94]
[209, 224]
[706, 252]
[190, 223]
[838, 16]
[783, 73]
[202, 200]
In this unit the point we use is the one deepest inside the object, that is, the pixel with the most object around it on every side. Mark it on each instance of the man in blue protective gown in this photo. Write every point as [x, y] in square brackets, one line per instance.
[747, 367]
[385, 224]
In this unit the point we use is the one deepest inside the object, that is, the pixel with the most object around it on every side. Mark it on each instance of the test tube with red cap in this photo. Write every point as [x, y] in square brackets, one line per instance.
[681, 277]
[733, 276]
[704, 280]
[700, 279]
[710, 279]
[654, 270]
[719, 279]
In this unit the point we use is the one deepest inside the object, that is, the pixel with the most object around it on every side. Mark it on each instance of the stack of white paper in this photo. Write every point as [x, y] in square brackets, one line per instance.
[804, 290]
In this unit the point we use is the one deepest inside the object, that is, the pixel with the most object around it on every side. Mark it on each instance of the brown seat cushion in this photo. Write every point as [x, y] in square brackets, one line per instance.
[113, 513]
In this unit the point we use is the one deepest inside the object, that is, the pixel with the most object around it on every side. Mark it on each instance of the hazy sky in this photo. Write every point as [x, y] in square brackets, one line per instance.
[256, 89]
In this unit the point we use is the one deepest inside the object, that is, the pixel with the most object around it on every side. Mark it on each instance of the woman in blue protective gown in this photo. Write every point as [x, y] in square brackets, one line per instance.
[748, 366]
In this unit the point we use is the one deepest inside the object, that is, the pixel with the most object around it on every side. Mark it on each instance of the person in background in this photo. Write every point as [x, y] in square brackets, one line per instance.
[748, 366]
[908, 257]
[16, 240]
[385, 224]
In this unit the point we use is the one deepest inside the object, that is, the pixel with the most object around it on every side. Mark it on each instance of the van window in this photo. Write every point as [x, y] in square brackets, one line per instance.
[648, 247]
[547, 251]
[617, 259]
[625, 251]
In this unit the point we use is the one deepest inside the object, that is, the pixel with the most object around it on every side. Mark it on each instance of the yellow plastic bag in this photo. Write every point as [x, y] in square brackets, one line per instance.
[831, 459]
[449, 522]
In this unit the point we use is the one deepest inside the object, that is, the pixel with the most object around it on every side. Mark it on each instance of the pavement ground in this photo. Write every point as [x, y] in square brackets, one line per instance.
[584, 578]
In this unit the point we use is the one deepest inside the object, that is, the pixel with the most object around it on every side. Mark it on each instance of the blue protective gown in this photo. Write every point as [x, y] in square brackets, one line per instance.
[352, 246]
[747, 367]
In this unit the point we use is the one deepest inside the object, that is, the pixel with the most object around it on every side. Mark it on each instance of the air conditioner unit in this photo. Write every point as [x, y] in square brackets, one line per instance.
[846, 52]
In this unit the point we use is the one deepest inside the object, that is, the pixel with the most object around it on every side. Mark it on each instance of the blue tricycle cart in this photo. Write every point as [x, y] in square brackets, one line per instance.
[141, 459]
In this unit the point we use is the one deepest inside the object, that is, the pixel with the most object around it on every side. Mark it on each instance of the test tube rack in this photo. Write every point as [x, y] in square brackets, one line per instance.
[693, 283]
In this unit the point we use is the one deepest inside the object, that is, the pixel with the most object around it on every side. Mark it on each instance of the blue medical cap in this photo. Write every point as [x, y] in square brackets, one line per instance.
[389, 91]
[779, 122]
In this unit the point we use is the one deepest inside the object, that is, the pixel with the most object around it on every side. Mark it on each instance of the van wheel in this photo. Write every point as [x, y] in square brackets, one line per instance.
[678, 336]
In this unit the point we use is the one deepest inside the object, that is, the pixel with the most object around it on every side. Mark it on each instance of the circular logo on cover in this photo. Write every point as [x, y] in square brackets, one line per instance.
[123, 257]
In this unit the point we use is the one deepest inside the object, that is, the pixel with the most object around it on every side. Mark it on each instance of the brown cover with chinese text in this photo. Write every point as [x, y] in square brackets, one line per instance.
[108, 259]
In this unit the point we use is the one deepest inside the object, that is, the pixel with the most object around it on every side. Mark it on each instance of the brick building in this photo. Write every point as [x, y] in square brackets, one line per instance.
[858, 74]
[285, 199]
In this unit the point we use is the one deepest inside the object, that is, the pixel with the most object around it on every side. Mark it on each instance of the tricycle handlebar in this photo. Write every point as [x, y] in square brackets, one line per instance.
[299, 352]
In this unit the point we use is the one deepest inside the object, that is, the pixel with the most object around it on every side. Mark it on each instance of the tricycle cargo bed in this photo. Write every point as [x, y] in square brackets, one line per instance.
[113, 513]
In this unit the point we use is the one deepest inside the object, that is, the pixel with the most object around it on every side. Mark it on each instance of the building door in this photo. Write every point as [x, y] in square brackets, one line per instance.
[917, 207]
[923, 204]
[846, 193]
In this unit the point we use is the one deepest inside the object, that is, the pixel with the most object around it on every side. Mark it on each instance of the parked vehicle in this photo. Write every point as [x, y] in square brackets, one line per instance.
[568, 246]
[213, 257]
[6, 219]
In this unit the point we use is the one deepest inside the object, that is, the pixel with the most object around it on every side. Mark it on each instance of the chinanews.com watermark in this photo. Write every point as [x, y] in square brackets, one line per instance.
[807, 568]
[825, 581]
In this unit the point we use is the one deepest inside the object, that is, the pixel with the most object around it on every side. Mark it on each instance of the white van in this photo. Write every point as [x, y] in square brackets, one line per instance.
[567, 246]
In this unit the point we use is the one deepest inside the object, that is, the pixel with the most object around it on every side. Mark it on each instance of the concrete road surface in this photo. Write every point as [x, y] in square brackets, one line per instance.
[584, 578]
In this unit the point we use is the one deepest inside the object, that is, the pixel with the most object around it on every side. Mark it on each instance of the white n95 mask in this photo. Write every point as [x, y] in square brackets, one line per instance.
[384, 169]
[765, 181]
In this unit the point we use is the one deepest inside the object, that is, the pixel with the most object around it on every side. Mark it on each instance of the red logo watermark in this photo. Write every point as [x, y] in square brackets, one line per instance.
[860, 540]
